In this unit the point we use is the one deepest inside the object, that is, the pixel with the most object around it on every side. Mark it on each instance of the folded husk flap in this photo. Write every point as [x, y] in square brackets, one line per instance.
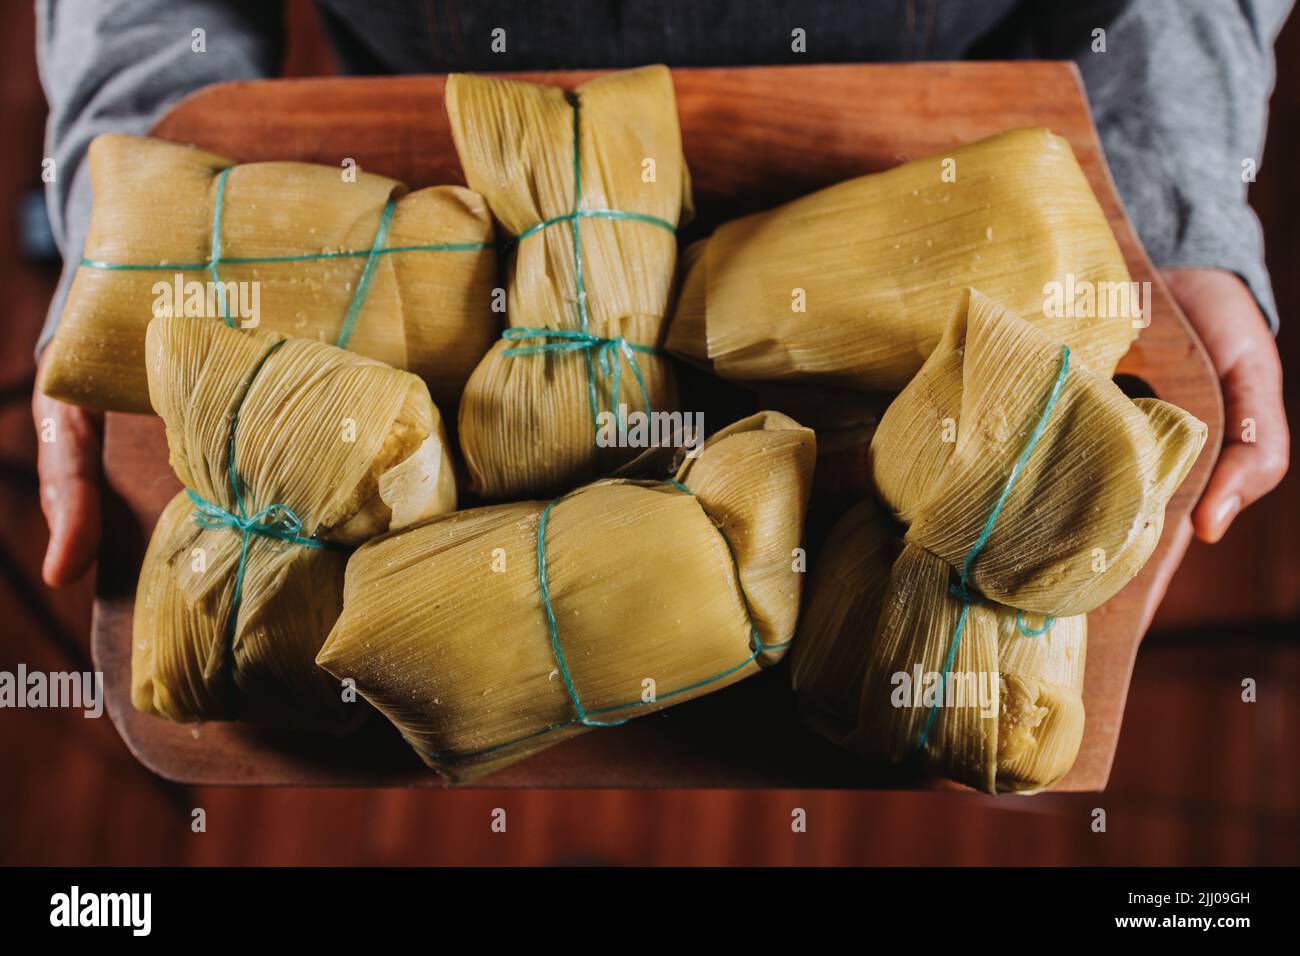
[424, 310]
[1081, 519]
[349, 446]
[854, 284]
[526, 420]
[653, 591]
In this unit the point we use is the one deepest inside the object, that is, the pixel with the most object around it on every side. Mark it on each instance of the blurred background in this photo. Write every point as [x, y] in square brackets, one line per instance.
[1200, 778]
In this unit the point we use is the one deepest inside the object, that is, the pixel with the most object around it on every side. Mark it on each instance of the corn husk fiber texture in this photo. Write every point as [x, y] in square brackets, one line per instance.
[445, 631]
[1081, 519]
[348, 445]
[527, 420]
[882, 259]
[428, 311]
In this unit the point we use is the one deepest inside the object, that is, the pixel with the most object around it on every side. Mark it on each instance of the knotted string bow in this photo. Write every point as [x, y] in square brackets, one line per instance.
[607, 350]
[276, 521]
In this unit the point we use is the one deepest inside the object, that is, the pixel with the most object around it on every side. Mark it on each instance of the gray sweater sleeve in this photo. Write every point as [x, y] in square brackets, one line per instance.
[117, 66]
[1180, 98]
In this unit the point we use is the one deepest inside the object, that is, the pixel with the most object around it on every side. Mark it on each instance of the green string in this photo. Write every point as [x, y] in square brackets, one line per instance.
[960, 590]
[593, 214]
[276, 521]
[215, 259]
[589, 717]
[571, 340]
[253, 260]
[215, 245]
[1034, 631]
[610, 350]
[363, 284]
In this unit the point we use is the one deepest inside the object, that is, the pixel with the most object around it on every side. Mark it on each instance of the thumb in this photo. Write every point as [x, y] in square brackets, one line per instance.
[67, 462]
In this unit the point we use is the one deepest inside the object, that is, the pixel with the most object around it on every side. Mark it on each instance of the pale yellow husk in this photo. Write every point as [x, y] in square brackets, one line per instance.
[853, 285]
[444, 630]
[1082, 518]
[526, 423]
[426, 311]
[352, 446]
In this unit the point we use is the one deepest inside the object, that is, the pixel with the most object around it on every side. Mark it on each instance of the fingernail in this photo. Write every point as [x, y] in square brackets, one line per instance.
[1226, 511]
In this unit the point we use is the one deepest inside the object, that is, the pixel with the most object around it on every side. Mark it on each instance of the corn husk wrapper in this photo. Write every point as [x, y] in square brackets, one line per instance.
[427, 311]
[444, 629]
[881, 261]
[526, 421]
[1080, 521]
[351, 446]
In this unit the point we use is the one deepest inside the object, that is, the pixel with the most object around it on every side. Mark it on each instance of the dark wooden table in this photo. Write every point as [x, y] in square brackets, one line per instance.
[754, 137]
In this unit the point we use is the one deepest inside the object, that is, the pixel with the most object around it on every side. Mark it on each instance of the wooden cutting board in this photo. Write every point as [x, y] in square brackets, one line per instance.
[754, 137]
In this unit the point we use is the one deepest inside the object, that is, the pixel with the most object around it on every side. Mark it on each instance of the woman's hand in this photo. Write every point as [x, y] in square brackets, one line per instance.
[1241, 346]
[68, 463]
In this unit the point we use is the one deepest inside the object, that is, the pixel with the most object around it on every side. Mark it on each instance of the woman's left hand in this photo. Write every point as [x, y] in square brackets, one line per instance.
[1256, 442]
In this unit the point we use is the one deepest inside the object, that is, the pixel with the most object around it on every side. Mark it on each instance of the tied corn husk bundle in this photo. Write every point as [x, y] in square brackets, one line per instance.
[329, 449]
[653, 595]
[611, 151]
[853, 285]
[422, 305]
[975, 589]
